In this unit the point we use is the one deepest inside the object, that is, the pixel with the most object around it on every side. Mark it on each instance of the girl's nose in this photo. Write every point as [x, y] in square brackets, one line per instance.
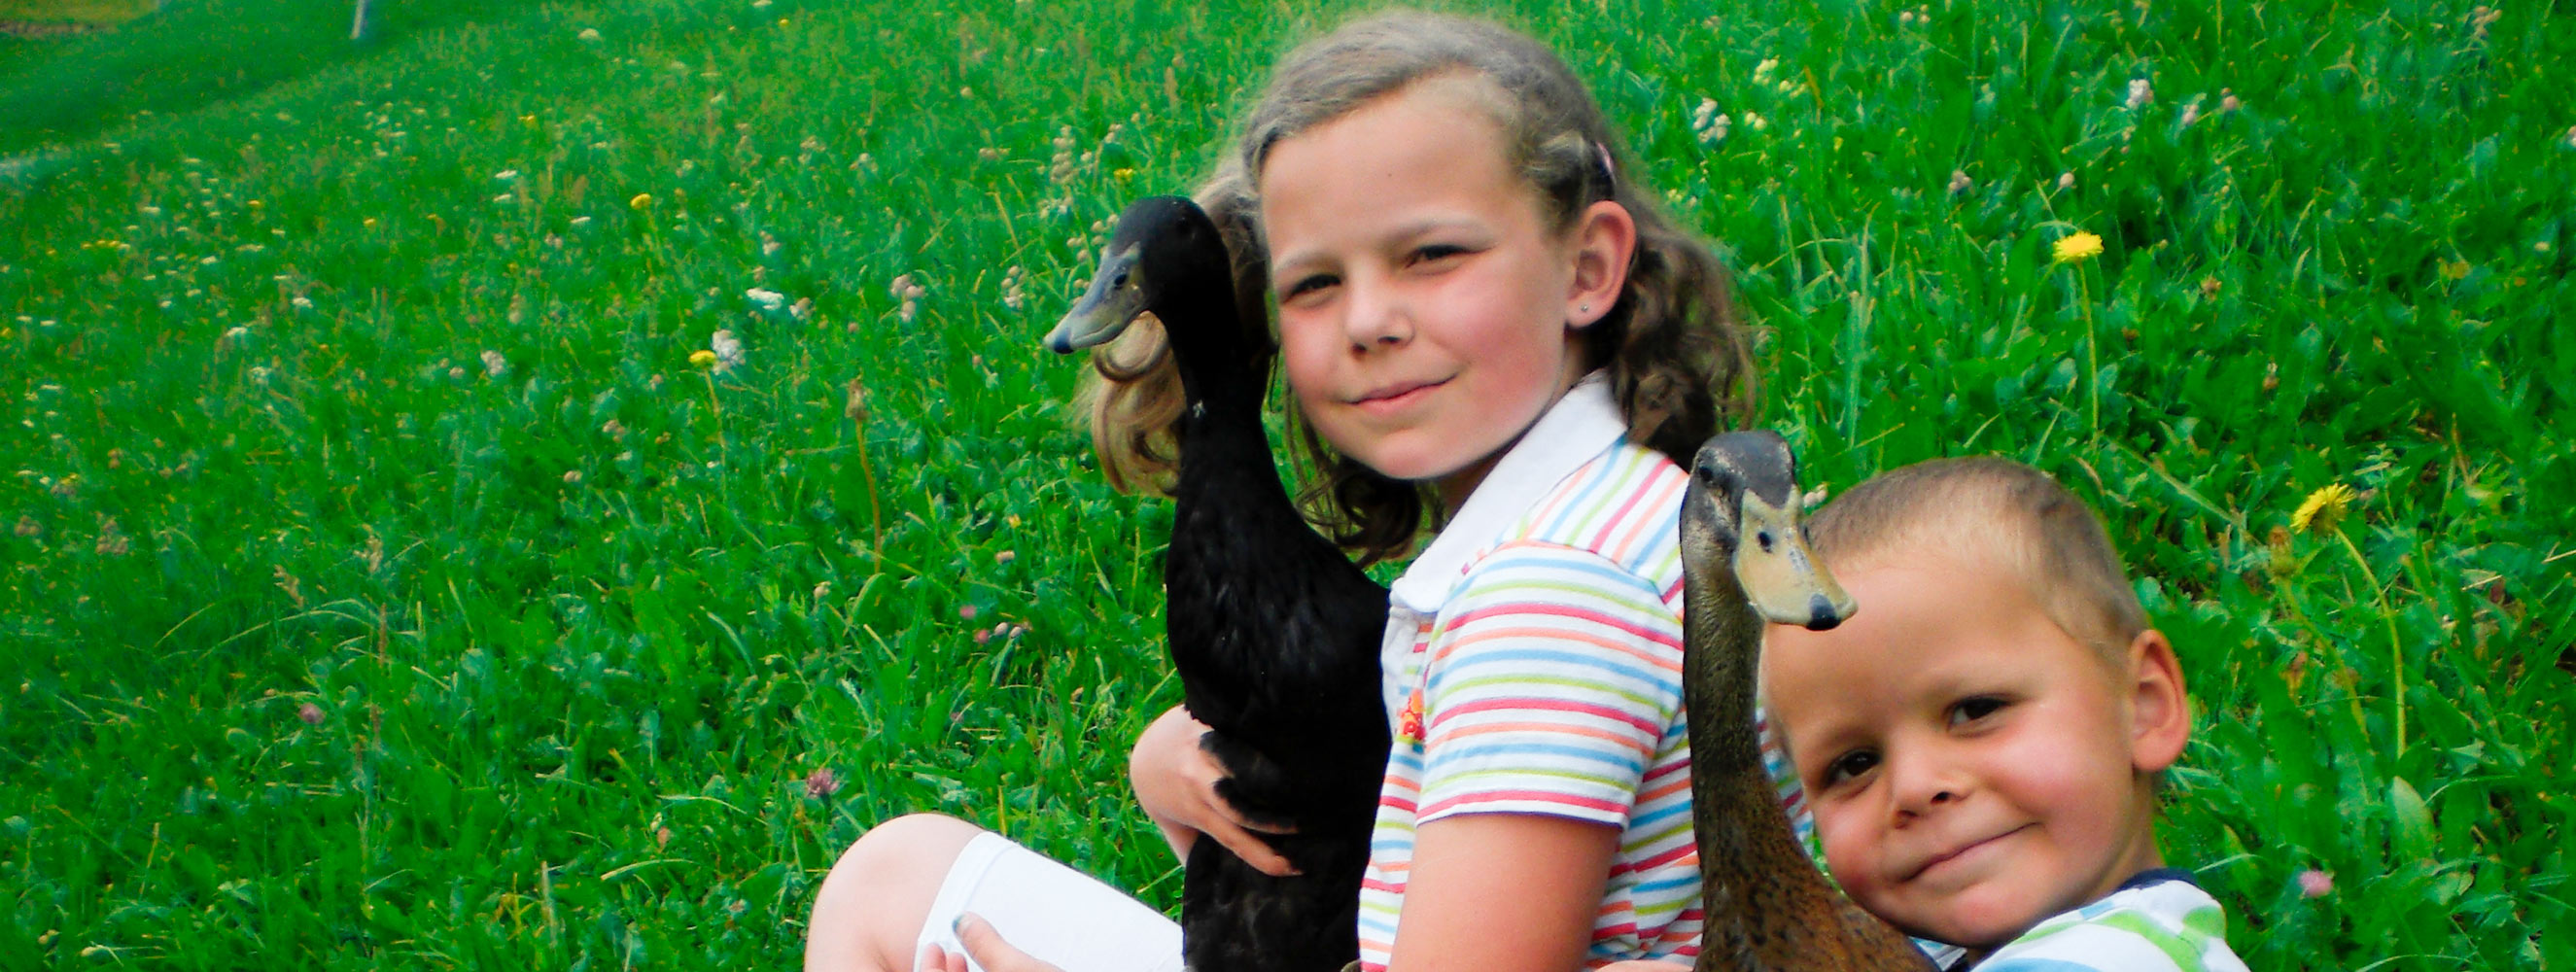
[1376, 317]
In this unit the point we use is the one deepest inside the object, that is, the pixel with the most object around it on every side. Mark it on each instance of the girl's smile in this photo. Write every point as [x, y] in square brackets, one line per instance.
[1396, 396]
[1428, 309]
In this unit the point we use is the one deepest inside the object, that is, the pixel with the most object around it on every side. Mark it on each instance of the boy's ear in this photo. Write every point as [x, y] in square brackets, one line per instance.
[1605, 240]
[2159, 711]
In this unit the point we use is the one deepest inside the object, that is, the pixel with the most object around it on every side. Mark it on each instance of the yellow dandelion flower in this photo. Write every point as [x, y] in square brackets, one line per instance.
[702, 358]
[2076, 248]
[1123, 175]
[2322, 509]
[641, 202]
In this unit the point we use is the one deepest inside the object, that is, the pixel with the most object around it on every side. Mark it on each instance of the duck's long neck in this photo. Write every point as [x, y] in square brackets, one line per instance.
[1218, 381]
[1720, 671]
[1748, 855]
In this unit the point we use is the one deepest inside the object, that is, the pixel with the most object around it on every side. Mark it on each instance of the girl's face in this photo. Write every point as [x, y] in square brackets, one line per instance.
[1427, 312]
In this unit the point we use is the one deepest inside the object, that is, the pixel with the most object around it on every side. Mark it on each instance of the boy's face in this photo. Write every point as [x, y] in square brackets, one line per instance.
[1973, 768]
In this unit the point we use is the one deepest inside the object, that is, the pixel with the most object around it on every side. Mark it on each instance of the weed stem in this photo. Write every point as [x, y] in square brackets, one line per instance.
[2396, 648]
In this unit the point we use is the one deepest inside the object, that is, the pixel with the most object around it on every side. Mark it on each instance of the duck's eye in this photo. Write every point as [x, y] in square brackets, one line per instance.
[1119, 281]
[1763, 537]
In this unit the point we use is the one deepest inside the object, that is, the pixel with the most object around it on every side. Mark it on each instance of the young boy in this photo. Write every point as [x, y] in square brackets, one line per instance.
[1982, 743]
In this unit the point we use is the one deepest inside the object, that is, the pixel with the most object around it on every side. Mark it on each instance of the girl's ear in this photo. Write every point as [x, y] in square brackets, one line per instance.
[1604, 239]
[2159, 713]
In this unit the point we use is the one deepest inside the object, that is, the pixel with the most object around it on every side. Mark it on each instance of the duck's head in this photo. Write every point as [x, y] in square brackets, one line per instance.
[1740, 515]
[1163, 243]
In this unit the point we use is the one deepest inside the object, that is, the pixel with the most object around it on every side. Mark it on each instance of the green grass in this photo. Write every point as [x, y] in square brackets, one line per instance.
[74, 11]
[576, 630]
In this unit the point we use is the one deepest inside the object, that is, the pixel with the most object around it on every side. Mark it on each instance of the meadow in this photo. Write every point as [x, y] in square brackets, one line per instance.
[400, 570]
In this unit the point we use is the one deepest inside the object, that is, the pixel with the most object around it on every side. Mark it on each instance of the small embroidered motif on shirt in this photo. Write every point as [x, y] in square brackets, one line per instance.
[1409, 725]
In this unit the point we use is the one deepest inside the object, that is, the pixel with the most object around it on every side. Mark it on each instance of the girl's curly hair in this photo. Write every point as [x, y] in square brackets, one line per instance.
[1677, 352]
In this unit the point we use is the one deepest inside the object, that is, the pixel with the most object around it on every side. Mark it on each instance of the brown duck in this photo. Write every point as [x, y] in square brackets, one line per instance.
[1745, 562]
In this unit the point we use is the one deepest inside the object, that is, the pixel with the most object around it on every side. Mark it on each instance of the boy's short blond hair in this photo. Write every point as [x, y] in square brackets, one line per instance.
[1988, 507]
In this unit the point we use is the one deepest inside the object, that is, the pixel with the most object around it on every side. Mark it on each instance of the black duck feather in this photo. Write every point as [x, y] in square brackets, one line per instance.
[1274, 633]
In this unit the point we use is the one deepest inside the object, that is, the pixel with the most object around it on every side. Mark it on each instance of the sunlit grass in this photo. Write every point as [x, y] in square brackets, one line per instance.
[392, 576]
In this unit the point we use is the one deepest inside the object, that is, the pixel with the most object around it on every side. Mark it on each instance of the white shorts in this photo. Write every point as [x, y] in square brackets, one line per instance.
[1050, 911]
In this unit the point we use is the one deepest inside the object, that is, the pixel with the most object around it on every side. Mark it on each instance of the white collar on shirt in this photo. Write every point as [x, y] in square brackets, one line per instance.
[1580, 426]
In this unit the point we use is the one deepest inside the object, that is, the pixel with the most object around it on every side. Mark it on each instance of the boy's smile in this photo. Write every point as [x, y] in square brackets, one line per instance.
[1428, 312]
[1973, 768]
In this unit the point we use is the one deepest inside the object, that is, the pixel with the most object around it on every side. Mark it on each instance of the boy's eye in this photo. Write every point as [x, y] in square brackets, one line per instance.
[1850, 766]
[1975, 708]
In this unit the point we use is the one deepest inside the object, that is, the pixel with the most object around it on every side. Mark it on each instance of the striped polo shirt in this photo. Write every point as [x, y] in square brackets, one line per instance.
[2157, 921]
[1532, 664]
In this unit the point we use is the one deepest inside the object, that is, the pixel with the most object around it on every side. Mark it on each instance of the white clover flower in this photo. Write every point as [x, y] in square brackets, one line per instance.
[1015, 287]
[2140, 93]
[1959, 181]
[494, 365]
[1762, 71]
[728, 351]
[1755, 121]
[589, 34]
[769, 300]
[301, 302]
[2190, 113]
[2065, 181]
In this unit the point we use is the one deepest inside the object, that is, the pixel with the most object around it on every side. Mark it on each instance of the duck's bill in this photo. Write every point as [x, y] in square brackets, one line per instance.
[1105, 310]
[1781, 577]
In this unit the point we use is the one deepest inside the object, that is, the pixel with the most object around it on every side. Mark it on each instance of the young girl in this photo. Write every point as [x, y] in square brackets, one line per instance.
[1480, 308]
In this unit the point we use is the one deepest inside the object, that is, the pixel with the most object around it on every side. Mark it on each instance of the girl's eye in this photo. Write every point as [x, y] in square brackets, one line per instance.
[1436, 252]
[1306, 285]
[1975, 708]
[1850, 766]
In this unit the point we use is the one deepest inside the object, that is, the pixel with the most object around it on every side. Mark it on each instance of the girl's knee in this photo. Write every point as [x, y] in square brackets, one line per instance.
[871, 906]
[915, 843]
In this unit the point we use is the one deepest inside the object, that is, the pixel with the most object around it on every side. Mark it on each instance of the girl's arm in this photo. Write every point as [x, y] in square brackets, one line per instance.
[1175, 783]
[1503, 892]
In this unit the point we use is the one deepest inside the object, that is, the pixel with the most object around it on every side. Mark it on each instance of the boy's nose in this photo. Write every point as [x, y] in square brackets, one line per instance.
[1918, 787]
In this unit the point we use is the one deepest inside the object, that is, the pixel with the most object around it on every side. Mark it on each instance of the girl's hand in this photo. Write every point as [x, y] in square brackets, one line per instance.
[1175, 783]
[986, 947]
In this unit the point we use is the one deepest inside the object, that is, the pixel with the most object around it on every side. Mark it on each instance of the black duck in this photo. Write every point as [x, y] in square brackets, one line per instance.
[1273, 631]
